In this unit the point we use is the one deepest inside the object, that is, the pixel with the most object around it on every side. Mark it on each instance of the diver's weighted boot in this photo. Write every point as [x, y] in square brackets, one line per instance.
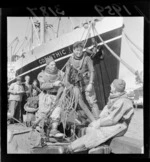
[54, 132]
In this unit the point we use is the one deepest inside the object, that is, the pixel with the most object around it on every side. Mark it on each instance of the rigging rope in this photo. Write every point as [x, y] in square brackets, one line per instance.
[101, 70]
[27, 27]
[27, 35]
[36, 36]
[21, 45]
[135, 52]
[133, 42]
[103, 62]
[15, 47]
[35, 30]
[82, 34]
[116, 56]
[58, 26]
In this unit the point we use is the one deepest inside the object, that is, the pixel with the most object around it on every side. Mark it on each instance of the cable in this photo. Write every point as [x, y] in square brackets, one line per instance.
[116, 56]
[82, 34]
[35, 31]
[15, 47]
[27, 27]
[102, 83]
[58, 26]
[134, 52]
[103, 60]
[12, 42]
[133, 43]
[26, 30]
[20, 46]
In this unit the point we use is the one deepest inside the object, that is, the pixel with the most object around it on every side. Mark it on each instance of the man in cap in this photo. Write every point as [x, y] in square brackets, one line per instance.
[81, 66]
[16, 90]
[50, 80]
[27, 88]
[113, 120]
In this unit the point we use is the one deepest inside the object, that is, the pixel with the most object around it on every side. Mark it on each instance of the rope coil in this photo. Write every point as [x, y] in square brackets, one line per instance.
[68, 102]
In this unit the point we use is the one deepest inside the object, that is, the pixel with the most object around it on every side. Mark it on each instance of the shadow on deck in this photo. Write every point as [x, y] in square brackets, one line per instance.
[126, 145]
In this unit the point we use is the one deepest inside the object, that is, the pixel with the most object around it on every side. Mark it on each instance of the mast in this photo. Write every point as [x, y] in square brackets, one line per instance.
[34, 28]
[31, 35]
[31, 38]
[58, 26]
[72, 24]
[42, 30]
[11, 56]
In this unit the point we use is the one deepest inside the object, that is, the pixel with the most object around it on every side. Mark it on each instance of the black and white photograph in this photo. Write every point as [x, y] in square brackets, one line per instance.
[75, 85]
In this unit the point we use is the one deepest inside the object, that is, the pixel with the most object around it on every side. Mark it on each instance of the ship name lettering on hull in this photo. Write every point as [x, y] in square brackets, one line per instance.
[55, 55]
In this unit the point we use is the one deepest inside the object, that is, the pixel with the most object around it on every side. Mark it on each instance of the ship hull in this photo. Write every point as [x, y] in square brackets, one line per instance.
[110, 29]
[106, 70]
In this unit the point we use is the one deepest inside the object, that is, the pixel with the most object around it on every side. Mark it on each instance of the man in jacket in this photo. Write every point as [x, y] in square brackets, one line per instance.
[113, 120]
[16, 90]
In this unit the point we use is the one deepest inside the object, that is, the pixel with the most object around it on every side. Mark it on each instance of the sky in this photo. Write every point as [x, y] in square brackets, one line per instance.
[134, 28]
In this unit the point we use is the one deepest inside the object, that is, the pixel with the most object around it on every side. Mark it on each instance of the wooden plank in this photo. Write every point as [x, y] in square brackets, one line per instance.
[126, 145]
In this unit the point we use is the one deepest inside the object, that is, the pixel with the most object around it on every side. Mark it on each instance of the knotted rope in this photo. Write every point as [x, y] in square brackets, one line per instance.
[68, 102]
